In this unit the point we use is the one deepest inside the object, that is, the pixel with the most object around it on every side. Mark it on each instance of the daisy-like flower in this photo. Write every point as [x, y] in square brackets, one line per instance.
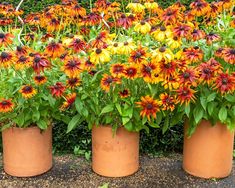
[77, 10]
[92, 19]
[225, 83]
[124, 93]
[151, 6]
[6, 105]
[117, 70]
[136, 7]
[174, 42]
[114, 48]
[197, 34]
[40, 63]
[22, 50]
[149, 107]
[28, 91]
[73, 82]
[124, 21]
[139, 56]
[171, 82]
[58, 89]
[6, 59]
[214, 10]
[182, 30]
[107, 81]
[126, 48]
[22, 62]
[100, 56]
[88, 65]
[193, 54]
[188, 77]
[77, 45]
[199, 7]
[206, 73]
[212, 37]
[163, 53]
[142, 27]
[5, 21]
[131, 72]
[147, 71]
[70, 99]
[54, 50]
[167, 68]
[72, 67]
[53, 25]
[40, 79]
[171, 15]
[219, 52]
[6, 39]
[162, 33]
[185, 95]
[167, 101]
[229, 55]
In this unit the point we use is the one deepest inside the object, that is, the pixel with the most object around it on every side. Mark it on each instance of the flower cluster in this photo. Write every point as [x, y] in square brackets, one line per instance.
[121, 65]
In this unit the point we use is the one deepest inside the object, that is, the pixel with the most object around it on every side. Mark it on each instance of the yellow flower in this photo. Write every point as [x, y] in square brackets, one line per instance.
[151, 6]
[162, 33]
[28, 91]
[114, 48]
[142, 27]
[126, 48]
[100, 56]
[136, 7]
[174, 42]
[163, 53]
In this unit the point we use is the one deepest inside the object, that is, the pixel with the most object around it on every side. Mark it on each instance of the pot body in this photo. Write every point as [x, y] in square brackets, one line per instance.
[27, 151]
[114, 155]
[208, 153]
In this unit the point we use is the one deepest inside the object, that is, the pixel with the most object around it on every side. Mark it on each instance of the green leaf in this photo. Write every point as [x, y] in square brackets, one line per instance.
[118, 106]
[42, 124]
[203, 101]
[36, 115]
[166, 125]
[158, 119]
[125, 120]
[230, 98]
[72, 124]
[211, 97]
[187, 109]
[107, 109]
[51, 100]
[210, 108]
[223, 113]
[198, 114]
[129, 126]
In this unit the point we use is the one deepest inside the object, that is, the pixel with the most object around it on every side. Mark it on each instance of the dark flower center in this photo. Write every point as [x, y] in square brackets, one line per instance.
[142, 22]
[186, 75]
[5, 103]
[130, 71]
[37, 59]
[109, 80]
[4, 55]
[73, 81]
[118, 68]
[125, 92]
[169, 13]
[224, 81]
[149, 106]
[22, 58]
[138, 55]
[36, 18]
[115, 44]
[185, 93]
[2, 35]
[167, 66]
[162, 49]
[162, 28]
[98, 51]
[175, 38]
[232, 51]
[28, 88]
[123, 16]
[19, 48]
[72, 63]
[77, 41]
[194, 31]
[126, 43]
[206, 70]
[148, 69]
[53, 20]
[196, 47]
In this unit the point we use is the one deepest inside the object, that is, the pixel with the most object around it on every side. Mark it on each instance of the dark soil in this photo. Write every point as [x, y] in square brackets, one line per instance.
[70, 171]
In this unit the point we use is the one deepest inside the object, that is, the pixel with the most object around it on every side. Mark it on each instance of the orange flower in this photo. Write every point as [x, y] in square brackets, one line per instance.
[28, 91]
[212, 37]
[147, 71]
[131, 72]
[139, 56]
[22, 62]
[54, 50]
[124, 93]
[40, 63]
[73, 82]
[225, 83]
[22, 50]
[70, 99]
[188, 77]
[77, 45]
[117, 70]
[185, 95]
[193, 54]
[57, 90]
[39, 79]
[149, 107]
[6, 59]
[182, 30]
[199, 7]
[171, 16]
[6, 105]
[6, 39]
[107, 81]
[229, 55]
[167, 101]
[73, 67]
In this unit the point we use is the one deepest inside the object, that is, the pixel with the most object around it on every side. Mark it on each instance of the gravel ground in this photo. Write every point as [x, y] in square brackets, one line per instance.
[72, 172]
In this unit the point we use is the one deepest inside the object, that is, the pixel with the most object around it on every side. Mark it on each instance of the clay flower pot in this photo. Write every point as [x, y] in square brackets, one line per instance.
[27, 151]
[208, 153]
[114, 155]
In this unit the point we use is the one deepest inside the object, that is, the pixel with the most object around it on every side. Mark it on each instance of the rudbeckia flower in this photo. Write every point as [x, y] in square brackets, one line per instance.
[142, 27]
[147, 71]
[229, 55]
[22, 50]
[174, 42]
[70, 99]
[126, 48]
[163, 53]
[171, 82]
[212, 37]
[54, 49]
[182, 30]
[114, 48]
[73, 67]
[149, 107]
[100, 56]
[6, 39]
[39, 63]
[206, 73]
[185, 95]
[139, 56]
[58, 89]
[167, 102]
[167, 68]
[225, 83]
[162, 33]
[124, 93]
[28, 91]
[199, 7]
[6, 59]
[170, 16]
[193, 54]
[117, 70]
[92, 19]
[124, 21]
[6, 105]
[22, 62]
[77, 45]
[131, 72]
[40, 79]
[188, 77]
[197, 34]
[107, 81]
[136, 7]
[73, 82]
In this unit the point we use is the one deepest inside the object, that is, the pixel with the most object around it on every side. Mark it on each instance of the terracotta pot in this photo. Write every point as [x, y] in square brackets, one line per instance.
[208, 153]
[114, 155]
[27, 151]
